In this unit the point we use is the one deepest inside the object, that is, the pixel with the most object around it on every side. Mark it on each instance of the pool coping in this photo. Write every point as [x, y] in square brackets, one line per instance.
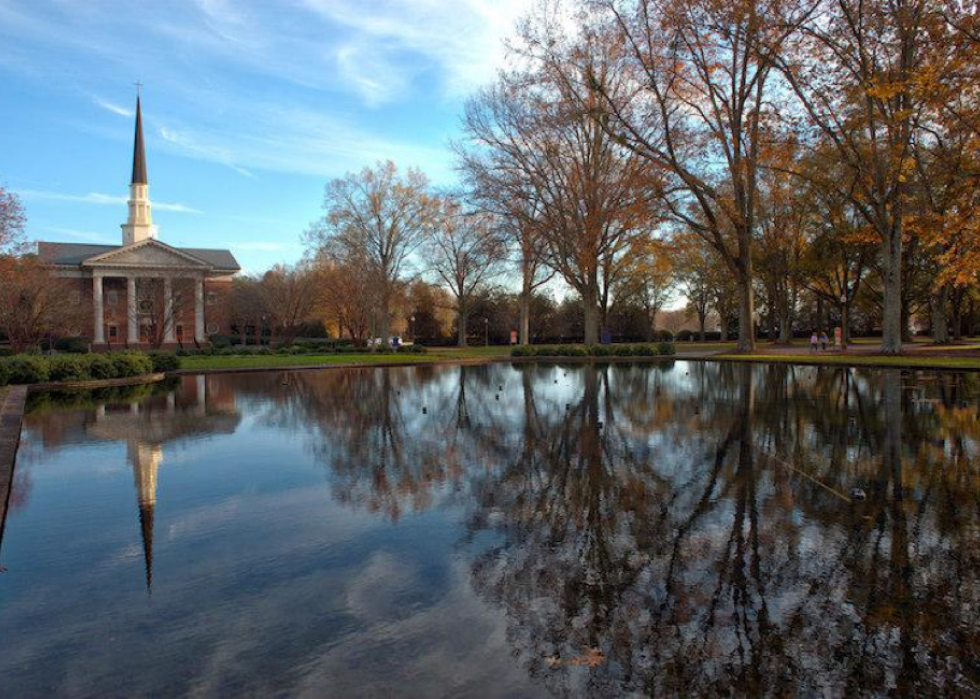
[11, 419]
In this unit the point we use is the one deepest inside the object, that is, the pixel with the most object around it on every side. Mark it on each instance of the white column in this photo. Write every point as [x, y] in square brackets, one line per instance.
[199, 310]
[132, 326]
[98, 318]
[168, 311]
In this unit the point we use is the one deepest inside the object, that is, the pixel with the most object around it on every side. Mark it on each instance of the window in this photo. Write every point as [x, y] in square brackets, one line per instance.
[179, 332]
[212, 298]
[113, 331]
[146, 305]
[212, 328]
[112, 297]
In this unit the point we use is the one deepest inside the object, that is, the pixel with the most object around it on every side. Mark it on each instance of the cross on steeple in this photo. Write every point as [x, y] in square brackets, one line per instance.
[138, 85]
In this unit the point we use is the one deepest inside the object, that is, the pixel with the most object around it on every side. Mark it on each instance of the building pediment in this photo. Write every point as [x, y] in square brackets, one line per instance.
[147, 253]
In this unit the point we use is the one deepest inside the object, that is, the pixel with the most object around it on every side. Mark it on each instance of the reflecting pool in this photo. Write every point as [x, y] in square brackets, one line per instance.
[502, 530]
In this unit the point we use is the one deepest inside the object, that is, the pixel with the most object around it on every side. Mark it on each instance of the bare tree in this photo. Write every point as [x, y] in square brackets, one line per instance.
[695, 106]
[246, 307]
[463, 251]
[381, 217]
[34, 304]
[290, 296]
[590, 195]
[857, 69]
[498, 187]
[153, 316]
[346, 294]
[12, 222]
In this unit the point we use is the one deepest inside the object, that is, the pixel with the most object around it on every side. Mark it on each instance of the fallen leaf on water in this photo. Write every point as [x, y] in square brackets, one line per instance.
[591, 658]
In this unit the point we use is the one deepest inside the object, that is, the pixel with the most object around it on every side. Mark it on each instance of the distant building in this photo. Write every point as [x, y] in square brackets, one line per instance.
[145, 293]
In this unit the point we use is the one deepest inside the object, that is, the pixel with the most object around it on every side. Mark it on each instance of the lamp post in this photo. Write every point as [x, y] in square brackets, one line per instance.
[486, 332]
[412, 328]
[843, 323]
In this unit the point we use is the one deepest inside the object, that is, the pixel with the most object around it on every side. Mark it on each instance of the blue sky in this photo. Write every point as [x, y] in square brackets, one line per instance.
[249, 108]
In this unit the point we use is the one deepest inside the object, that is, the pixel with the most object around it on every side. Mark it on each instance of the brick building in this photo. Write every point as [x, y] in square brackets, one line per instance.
[145, 293]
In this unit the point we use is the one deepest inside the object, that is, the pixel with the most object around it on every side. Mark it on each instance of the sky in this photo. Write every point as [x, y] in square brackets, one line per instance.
[249, 108]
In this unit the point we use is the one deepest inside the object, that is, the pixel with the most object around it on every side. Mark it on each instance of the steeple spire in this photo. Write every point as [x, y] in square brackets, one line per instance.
[139, 156]
[139, 225]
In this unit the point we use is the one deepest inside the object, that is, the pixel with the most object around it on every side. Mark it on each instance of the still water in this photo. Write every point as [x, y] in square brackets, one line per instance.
[525, 530]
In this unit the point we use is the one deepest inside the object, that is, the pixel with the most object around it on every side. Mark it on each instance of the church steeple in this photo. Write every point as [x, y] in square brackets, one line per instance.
[139, 155]
[139, 225]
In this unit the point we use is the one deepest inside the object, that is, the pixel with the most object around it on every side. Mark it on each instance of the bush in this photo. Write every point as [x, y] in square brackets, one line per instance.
[664, 336]
[522, 351]
[131, 364]
[71, 345]
[25, 368]
[685, 336]
[164, 361]
[666, 349]
[625, 351]
[67, 368]
[411, 349]
[101, 366]
[644, 351]
[222, 341]
[4, 373]
[544, 351]
[601, 351]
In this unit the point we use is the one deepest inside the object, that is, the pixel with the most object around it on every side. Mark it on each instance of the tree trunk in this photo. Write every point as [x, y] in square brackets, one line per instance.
[525, 329]
[591, 315]
[461, 315]
[724, 328]
[891, 321]
[940, 324]
[785, 324]
[746, 312]
[701, 320]
[957, 314]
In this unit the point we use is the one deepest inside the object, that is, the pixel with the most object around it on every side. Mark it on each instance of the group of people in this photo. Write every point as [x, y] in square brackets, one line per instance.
[819, 342]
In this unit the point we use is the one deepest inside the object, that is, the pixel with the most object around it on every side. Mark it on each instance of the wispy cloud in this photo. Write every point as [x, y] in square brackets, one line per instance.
[100, 198]
[265, 246]
[114, 108]
[87, 236]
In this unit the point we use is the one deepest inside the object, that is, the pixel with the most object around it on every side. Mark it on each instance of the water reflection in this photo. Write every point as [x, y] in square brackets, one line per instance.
[670, 529]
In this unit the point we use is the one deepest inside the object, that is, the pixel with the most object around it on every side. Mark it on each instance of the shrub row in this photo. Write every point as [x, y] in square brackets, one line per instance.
[28, 368]
[662, 349]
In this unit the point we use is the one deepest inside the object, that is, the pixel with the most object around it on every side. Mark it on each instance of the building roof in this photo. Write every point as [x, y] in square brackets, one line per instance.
[74, 254]
[139, 157]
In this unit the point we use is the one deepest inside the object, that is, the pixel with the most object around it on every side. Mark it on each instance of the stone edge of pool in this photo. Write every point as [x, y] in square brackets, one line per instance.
[11, 417]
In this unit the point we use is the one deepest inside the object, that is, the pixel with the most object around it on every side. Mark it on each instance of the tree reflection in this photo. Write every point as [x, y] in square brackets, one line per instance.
[685, 528]
[714, 566]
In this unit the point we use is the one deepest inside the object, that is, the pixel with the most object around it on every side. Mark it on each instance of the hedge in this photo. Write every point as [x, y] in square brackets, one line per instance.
[662, 349]
[28, 368]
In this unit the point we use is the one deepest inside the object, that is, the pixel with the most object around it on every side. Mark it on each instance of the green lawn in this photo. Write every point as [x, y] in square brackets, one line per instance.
[865, 360]
[461, 352]
[293, 360]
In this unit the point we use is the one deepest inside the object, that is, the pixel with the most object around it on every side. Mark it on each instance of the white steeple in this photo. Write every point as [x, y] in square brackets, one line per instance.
[139, 226]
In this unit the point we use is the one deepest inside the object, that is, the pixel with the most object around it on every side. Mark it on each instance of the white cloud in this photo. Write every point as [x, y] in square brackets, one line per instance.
[100, 198]
[87, 236]
[263, 246]
[114, 108]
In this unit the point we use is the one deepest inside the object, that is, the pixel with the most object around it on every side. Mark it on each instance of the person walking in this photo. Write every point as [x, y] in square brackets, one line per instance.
[813, 342]
[824, 340]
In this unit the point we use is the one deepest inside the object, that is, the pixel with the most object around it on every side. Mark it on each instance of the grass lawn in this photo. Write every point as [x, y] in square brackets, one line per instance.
[910, 362]
[461, 352]
[288, 360]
